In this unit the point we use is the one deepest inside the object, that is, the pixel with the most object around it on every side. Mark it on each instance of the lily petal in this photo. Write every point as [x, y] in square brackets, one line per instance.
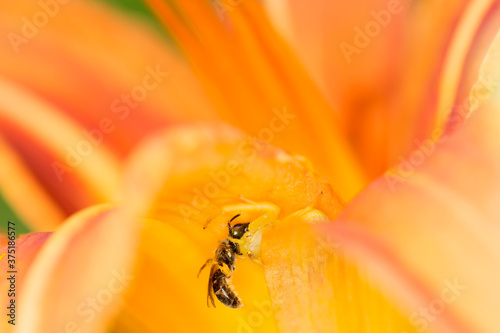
[414, 237]
[98, 169]
[98, 68]
[19, 186]
[433, 87]
[247, 66]
[3, 240]
[72, 83]
[166, 288]
[426, 60]
[353, 50]
[324, 33]
[26, 248]
[462, 35]
[315, 289]
[434, 231]
[181, 180]
[77, 279]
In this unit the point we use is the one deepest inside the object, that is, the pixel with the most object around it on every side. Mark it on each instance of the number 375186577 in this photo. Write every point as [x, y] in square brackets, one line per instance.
[11, 250]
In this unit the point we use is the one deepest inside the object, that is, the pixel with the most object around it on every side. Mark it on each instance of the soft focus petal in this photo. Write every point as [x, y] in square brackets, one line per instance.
[486, 85]
[19, 186]
[3, 240]
[42, 134]
[74, 99]
[181, 180]
[325, 35]
[77, 279]
[414, 63]
[354, 51]
[26, 248]
[436, 87]
[416, 234]
[258, 84]
[83, 71]
[356, 71]
[431, 235]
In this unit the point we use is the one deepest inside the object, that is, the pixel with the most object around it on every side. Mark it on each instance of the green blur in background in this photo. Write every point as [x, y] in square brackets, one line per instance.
[8, 215]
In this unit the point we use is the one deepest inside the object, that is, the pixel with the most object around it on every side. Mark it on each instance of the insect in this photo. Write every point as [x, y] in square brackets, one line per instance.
[243, 241]
[223, 267]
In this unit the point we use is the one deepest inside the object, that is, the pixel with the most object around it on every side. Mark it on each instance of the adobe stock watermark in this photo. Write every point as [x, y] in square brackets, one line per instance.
[372, 29]
[256, 318]
[31, 25]
[423, 318]
[483, 90]
[88, 309]
[247, 150]
[222, 7]
[120, 108]
[328, 243]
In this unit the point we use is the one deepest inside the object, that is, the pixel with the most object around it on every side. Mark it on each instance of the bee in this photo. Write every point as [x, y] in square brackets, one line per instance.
[244, 241]
[219, 281]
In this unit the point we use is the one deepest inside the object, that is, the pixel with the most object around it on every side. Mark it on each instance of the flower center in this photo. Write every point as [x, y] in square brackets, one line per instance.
[251, 219]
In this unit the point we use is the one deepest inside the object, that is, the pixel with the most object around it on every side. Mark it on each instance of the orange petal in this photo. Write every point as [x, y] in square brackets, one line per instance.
[400, 86]
[85, 72]
[328, 36]
[70, 76]
[181, 180]
[25, 249]
[436, 87]
[59, 166]
[487, 81]
[418, 235]
[315, 289]
[3, 240]
[18, 186]
[167, 293]
[429, 230]
[258, 84]
[354, 58]
[77, 279]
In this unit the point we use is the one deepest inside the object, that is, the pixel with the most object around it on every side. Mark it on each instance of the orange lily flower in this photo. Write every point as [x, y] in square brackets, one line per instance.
[379, 217]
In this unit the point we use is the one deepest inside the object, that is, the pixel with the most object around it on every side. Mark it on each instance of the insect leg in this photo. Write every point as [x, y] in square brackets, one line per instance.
[210, 296]
[204, 265]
